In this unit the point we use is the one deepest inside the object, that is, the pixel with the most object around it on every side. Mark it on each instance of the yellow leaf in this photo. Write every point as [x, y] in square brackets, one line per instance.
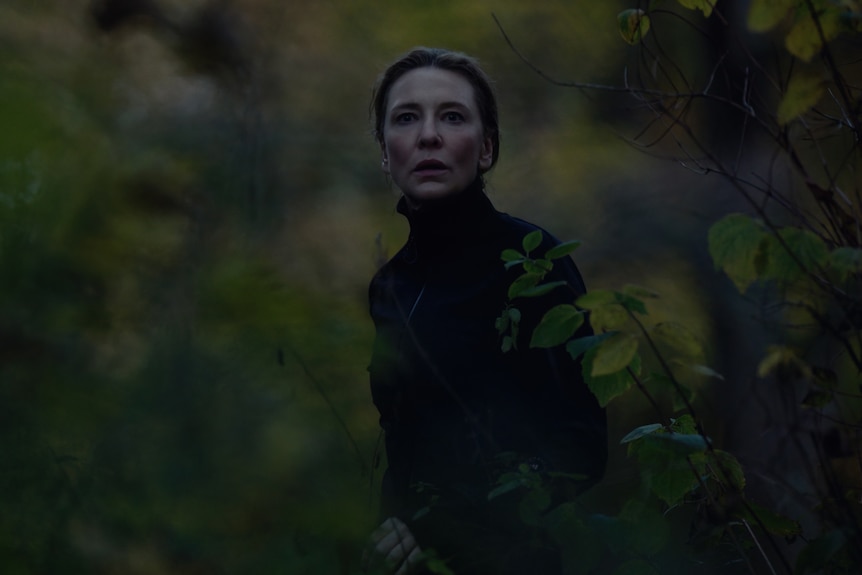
[803, 40]
[615, 354]
[803, 93]
[634, 25]
[779, 356]
[763, 15]
[704, 6]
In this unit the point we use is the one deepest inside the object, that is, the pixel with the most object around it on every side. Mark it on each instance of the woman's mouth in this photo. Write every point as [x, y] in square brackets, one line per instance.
[429, 167]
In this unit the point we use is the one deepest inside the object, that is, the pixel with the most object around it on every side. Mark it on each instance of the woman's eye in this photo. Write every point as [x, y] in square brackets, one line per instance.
[405, 117]
[453, 117]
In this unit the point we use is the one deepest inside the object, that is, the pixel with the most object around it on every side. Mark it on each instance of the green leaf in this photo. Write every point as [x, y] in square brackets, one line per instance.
[502, 323]
[807, 250]
[531, 241]
[514, 314]
[758, 515]
[679, 338]
[782, 357]
[684, 424]
[523, 282]
[764, 15]
[803, 40]
[666, 471]
[594, 299]
[614, 354]
[727, 469]
[639, 292]
[511, 255]
[803, 92]
[704, 6]
[645, 529]
[578, 346]
[607, 387]
[505, 487]
[608, 318]
[580, 545]
[562, 249]
[631, 303]
[846, 261]
[537, 266]
[533, 504]
[507, 344]
[641, 431]
[633, 25]
[539, 290]
[819, 553]
[636, 567]
[683, 444]
[735, 244]
[558, 325]
[679, 395]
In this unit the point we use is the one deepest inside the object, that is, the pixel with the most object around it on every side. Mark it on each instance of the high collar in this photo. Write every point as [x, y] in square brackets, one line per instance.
[437, 226]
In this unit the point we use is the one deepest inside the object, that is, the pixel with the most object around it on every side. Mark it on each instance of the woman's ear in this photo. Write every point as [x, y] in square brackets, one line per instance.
[486, 154]
[384, 161]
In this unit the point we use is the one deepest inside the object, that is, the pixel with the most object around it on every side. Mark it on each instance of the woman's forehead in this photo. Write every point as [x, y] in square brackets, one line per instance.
[430, 85]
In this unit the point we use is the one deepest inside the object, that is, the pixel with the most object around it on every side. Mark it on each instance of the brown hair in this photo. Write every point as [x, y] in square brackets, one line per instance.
[457, 62]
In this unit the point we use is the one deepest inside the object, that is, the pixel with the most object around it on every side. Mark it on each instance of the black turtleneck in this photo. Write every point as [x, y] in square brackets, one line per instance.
[451, 402]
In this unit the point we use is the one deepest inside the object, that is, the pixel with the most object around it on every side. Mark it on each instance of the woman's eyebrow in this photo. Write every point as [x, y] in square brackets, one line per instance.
[416, 106]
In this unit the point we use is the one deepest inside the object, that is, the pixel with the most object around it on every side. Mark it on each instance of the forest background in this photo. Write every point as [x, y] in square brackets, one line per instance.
[191, 207]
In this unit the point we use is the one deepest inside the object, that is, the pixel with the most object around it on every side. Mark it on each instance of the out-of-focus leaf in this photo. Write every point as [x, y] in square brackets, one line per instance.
[666, 384]
[846, 260]
[735, 243]
[781, 357]
[704, 6]
[557, 326]
[760, 516]
[803, 92]
[639, 292]
[645, 529]
[803, 40]
[818, 553]
[636, 567]
[595, 299]
[707, 371]
[727, 469]
[631, 303]
[679, 338]
[533, 504]
[633, 25]
[764, 15]
[580, 545]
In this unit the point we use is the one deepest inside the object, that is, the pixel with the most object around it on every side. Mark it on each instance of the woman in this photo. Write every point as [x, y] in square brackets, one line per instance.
[458, 411]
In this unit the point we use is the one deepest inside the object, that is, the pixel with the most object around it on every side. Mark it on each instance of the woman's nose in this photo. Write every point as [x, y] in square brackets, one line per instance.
[429, 135]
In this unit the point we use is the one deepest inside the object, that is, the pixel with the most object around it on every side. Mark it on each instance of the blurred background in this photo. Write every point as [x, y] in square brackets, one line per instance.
[191, 208]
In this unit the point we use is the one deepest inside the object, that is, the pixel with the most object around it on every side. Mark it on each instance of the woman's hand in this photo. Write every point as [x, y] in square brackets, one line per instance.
[393, 548]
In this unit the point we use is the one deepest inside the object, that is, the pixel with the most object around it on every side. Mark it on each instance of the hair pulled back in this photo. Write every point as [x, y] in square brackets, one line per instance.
[457, 62]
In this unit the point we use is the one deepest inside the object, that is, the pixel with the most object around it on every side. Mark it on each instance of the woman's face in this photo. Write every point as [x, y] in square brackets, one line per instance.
[434, 143]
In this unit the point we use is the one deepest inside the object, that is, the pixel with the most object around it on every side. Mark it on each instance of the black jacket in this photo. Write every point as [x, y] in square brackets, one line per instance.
[455, 409]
